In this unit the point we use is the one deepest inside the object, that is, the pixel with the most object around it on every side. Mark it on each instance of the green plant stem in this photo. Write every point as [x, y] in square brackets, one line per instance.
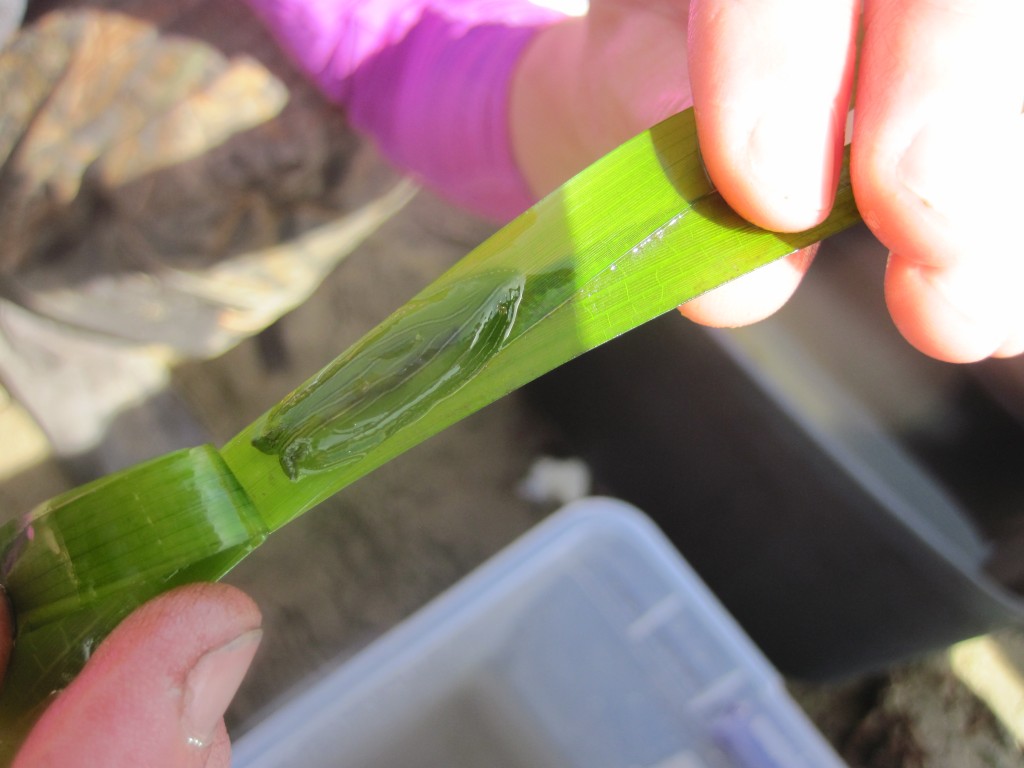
[594, 260]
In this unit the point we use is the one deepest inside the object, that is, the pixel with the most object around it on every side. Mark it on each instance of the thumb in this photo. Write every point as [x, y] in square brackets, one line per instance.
[155, 691]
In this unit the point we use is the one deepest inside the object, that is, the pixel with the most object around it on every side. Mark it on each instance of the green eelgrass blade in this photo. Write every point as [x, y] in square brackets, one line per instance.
[631, 237]
[628, 239]
[87, 558]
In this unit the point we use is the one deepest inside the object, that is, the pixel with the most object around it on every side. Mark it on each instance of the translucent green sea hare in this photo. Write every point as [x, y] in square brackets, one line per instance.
[421, 355]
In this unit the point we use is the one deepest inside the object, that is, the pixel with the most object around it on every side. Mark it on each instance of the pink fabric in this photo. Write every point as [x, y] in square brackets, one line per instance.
[428, 79]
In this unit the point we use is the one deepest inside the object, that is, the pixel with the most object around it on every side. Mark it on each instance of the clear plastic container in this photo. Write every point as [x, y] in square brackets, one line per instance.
[587, 643]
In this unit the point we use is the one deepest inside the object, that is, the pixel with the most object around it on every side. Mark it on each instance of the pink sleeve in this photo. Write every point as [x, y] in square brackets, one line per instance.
[429, 80]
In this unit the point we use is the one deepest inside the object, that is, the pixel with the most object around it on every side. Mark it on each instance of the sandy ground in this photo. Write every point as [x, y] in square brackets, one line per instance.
[335, 580]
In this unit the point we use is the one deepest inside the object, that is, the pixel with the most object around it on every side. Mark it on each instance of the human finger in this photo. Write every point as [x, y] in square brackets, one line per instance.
[938, 157]
[771, 86]
[585, 85]
[155, 691]
[752, 297]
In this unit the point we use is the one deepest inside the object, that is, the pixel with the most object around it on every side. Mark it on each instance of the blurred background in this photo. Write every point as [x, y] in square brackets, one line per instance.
[188, 231]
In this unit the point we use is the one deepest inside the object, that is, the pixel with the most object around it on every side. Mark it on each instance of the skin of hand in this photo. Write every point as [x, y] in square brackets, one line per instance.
[937, 146]
[155, 691]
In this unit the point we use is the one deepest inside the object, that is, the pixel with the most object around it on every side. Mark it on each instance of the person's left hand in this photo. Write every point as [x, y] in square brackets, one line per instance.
[155, 691]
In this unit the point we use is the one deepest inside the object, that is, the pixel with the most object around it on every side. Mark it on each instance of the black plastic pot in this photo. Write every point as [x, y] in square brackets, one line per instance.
[841, 494]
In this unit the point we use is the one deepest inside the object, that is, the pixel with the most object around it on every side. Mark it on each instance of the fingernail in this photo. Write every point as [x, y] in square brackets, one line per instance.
[212, 683]
[794, 158]
[925, 169]
[969, 293]
[984, 309]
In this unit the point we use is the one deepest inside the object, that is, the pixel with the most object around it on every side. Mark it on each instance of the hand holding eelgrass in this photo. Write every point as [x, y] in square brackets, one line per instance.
[938, 140]
[155, 692]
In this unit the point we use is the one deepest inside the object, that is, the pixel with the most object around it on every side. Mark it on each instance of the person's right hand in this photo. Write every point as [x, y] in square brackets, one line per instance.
[937, 148]
[938, 141]
[155, 691]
